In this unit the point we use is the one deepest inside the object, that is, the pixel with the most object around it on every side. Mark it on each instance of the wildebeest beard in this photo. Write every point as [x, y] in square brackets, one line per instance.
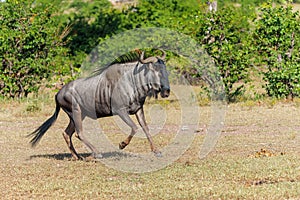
[153, 93]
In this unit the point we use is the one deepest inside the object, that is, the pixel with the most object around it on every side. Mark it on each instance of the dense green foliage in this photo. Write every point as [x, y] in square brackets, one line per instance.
[277, 37]
[225, 37]
[88, 23]
[42, 41]
[31, 49]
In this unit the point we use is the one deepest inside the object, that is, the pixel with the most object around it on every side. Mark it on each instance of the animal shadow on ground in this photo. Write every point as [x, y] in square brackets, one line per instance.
[67, 156]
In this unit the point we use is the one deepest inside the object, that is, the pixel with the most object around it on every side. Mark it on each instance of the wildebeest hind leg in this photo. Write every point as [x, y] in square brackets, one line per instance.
[68, 138]
[77, 117]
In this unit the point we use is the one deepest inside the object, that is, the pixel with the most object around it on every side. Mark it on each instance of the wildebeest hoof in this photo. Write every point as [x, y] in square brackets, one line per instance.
[75, 158]
[89, 158]
[122, 145]
[94, 157]
[158, 154]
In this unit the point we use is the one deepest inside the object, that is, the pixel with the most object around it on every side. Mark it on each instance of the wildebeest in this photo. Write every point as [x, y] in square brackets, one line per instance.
[118, 89]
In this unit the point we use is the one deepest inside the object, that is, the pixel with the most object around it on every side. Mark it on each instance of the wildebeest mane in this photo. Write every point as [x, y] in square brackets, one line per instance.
[131, 56]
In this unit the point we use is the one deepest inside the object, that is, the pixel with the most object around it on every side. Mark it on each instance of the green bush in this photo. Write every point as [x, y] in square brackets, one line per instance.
[89, 22]
[30, 47]
[277, 37]
[224, 35]
[157, 13]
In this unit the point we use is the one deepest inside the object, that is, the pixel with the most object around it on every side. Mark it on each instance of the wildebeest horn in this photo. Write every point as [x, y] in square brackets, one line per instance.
[163, 57]
[147, 60]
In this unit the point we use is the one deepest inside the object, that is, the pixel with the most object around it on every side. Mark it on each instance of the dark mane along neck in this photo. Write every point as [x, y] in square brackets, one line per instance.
[125, 59]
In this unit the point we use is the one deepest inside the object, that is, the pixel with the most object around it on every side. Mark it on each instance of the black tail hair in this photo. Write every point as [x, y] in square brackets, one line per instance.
[40, 131]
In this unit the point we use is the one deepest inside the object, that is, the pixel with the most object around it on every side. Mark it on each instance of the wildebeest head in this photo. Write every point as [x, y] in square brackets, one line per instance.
[157, 75]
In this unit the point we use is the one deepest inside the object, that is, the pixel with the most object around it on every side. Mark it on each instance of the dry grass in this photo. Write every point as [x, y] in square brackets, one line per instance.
[231, 171]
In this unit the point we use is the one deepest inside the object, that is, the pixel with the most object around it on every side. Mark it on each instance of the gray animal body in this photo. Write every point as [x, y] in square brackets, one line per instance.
[120, 89]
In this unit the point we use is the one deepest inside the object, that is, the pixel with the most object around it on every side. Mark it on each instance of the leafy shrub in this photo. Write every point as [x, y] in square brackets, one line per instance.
[277, 37]
[157, 13]
[89, 21]
[31, 48]
[224, 35]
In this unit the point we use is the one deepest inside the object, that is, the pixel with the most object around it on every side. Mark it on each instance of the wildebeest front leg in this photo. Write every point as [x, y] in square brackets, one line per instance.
[125, 117]
[141, 119]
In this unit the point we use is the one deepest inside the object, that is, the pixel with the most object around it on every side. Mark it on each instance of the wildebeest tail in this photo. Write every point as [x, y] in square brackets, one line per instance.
[40, 131]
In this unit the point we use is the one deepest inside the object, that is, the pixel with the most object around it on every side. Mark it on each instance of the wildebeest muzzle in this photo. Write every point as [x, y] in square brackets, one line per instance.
[165, 92]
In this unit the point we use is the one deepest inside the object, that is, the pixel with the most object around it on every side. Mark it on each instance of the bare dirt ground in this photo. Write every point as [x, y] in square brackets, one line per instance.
[257, 157]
